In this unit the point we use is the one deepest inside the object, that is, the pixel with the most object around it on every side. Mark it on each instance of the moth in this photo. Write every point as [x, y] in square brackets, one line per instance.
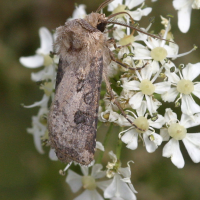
[84, 56]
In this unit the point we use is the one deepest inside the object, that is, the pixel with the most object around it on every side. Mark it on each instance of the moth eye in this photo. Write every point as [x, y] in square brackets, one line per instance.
[101, 26]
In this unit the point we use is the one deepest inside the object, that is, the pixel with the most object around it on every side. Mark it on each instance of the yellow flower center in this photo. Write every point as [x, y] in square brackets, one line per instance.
[127, 39]
[119, 8]
[142, 123]
[89, 183]
[47, 87]
[47, 60]
[185, 86]
[147, 87]
[177, 131]
[158, 53]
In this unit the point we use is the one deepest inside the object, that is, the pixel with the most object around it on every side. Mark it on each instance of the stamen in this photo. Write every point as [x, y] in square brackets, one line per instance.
[62, 172]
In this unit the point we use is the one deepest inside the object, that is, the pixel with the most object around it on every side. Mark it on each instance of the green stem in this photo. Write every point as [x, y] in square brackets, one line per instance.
[99, 159]
[119, 147]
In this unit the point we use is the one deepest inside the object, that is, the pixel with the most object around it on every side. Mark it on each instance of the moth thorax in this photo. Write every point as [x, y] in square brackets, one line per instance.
[97, 20]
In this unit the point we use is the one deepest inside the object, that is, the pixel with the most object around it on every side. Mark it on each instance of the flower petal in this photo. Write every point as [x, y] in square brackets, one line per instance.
[188, 105]
[120, 189]
[146, 72]
[131, 139]
[139, 13]
[158, 123]
[97, 171]
[170, 116]
[103, 184]
[172, 77]
[84, 170]
[151, 146]
[162, 87]
[32, 61]
[52, 155]
[172, 150]
[89, 195]
[37, 133]
[189, 121]
[113, 5]
[164, 134]
[125, 172]
[46, 41]
[131, 4]
[142, 109]
[131, 85]
[196, 91]
[170, 95]
[42, 103]
[191, 71]
[74, 180]
[152, 105]
[136, 100]
[79, 12]
[100, 146]
[192, 144]
[184, 16]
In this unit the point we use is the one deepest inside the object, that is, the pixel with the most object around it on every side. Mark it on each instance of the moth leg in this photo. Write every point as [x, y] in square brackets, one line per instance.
[112, 41]
[125, 65]
[116, 102]
[110, 30]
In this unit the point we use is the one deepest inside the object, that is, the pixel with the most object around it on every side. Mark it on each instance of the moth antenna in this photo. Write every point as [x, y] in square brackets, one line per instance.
[133, 27]
[119, 13]
[103, 5]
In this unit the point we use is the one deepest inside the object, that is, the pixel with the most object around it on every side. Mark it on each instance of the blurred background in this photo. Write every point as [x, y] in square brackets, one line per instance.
[26, 174]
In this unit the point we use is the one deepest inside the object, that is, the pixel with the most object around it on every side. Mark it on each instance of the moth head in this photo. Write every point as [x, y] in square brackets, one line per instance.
[97, 20]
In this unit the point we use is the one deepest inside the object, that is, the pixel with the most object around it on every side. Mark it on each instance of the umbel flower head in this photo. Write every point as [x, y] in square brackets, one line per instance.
[88, 182]
[184, 85]
[151, 139]
[119, 188]
[140, 89]
[177, 131]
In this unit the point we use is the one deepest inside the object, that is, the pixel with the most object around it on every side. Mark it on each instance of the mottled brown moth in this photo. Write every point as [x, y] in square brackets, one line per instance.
[84, 55]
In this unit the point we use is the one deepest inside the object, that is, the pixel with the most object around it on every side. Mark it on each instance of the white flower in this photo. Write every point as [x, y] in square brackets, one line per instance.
[151, 139]
[47, 76]
[47, 73]
[118, 6]
[39, 128]
[108, 116]
[129, 3]
[196, 4]
[119, 188]
[139, 13]
[146, 88]
[184, 8]
[52, 155]
[88, 182]
[43, 103]
[157, 49]
[79, 12]
[42, 54]
[178, 131]
[185, 87]
[100, 146]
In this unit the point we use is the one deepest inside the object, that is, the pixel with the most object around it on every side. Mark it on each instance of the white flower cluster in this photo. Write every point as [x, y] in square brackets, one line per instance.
[151, 80]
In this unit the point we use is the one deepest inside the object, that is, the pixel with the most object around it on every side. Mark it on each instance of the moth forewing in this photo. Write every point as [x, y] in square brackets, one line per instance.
[84, 56]
[72, 121]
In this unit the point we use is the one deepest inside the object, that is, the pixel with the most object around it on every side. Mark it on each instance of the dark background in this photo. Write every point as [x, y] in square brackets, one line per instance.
[24, 173]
